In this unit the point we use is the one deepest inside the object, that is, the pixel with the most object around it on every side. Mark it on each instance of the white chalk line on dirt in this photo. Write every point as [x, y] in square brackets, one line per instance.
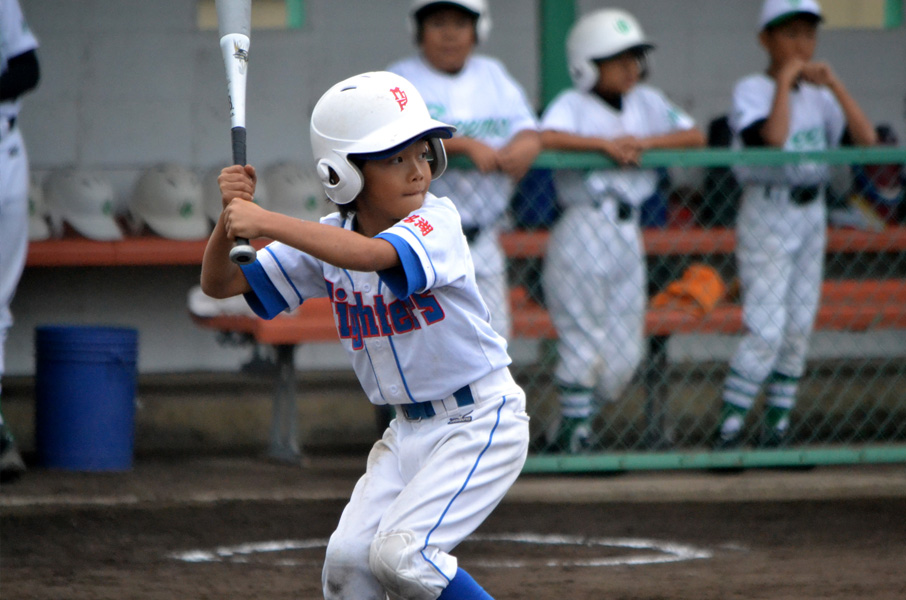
[65, 500]
[660, 551]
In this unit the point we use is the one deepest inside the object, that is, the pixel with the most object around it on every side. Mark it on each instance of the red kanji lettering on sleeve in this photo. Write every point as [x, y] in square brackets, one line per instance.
[420, 223]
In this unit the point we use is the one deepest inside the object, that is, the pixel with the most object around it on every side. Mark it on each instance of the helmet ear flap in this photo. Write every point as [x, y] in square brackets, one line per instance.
[438, 156]
[327, 174]
[342, 183]
[584, 75]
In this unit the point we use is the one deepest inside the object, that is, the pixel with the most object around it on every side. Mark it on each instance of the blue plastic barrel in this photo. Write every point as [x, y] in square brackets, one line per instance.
[85, 379]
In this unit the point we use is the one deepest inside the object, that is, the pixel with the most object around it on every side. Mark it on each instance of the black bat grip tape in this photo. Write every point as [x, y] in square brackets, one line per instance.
[242, 252]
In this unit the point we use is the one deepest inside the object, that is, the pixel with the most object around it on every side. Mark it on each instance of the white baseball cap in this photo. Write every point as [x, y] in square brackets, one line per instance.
[774, 12]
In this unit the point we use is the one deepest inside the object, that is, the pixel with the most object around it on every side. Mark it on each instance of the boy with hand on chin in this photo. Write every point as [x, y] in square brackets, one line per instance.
[798, 104]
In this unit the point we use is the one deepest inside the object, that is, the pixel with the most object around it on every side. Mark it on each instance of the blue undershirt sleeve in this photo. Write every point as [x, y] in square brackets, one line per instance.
[264, 299]
[407, 278]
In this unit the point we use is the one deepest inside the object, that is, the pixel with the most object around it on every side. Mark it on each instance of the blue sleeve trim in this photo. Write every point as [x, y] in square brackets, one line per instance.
[264, 299]
[409, 276]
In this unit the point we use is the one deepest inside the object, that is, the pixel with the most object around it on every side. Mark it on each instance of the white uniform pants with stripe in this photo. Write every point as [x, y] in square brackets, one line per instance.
[13, 226]
[594, 287]
[428, 485]
[780, 256]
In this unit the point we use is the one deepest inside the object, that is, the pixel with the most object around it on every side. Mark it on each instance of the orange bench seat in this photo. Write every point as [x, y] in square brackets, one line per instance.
[846, 305]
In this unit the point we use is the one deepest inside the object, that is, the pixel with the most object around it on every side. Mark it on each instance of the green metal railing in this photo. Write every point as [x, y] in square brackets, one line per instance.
[850, 409]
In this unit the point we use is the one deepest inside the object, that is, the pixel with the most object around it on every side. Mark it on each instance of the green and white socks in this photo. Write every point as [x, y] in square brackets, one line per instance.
[574, 431]
[738, 398]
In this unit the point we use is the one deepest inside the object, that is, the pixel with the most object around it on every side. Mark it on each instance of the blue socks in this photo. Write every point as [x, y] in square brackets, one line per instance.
[463, 587]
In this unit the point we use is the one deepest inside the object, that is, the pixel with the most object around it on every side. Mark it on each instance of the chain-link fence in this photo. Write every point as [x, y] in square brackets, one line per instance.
[711, 324]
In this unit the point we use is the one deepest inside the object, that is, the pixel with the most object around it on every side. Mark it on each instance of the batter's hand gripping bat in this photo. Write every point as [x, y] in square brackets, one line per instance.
[234, 21]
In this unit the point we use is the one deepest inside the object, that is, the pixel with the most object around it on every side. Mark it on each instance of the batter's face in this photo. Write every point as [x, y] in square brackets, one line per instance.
[795, 39]
[619, 74]
[447, 39]
[394, 186]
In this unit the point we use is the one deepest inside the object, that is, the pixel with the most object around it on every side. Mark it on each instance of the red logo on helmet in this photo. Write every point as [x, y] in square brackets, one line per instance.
[400, 97]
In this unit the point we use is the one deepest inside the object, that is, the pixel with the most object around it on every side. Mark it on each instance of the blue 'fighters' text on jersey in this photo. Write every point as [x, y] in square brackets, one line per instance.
[414, 333]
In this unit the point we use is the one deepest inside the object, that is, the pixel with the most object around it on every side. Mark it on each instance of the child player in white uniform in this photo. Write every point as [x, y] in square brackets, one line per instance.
[495, 127]
[594, 273]
[396, 267]
[797, 105]
[19, 73]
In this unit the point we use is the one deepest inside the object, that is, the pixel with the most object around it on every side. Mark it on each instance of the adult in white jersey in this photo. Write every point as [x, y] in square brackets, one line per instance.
[796, 105]
[495, 127]
[18, 74]
[594, 273]
[397, 269]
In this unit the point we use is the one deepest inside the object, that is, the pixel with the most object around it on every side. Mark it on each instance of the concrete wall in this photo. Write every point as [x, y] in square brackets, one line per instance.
[127, 84]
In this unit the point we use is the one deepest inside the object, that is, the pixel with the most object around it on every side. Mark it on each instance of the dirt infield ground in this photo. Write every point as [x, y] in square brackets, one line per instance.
[246, 528]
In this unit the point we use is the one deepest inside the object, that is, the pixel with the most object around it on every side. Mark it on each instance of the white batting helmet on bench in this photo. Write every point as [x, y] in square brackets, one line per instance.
[167, 197]
[295, 191]
[85, 201]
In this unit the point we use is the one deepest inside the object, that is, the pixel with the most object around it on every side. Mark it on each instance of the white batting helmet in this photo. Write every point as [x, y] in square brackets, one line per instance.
[295, 191]
[38, 229]
[373, 114]
[85, 201]
[600, 35]
[211, 199]
[167, 197]
[479, 8]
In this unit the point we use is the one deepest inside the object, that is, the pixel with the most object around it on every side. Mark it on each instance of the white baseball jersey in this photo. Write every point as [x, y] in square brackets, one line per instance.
[485, 103]
[415, 333]
[646, 112]
[15, 39]
[816, 123]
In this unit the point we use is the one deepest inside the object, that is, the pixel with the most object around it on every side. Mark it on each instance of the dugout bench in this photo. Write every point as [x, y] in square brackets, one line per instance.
[846, 305]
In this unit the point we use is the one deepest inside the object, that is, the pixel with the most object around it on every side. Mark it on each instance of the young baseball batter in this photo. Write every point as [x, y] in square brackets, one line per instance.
[798, 105]
[19, 73]
[594, 273]
[496, 129]
[397, 269]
